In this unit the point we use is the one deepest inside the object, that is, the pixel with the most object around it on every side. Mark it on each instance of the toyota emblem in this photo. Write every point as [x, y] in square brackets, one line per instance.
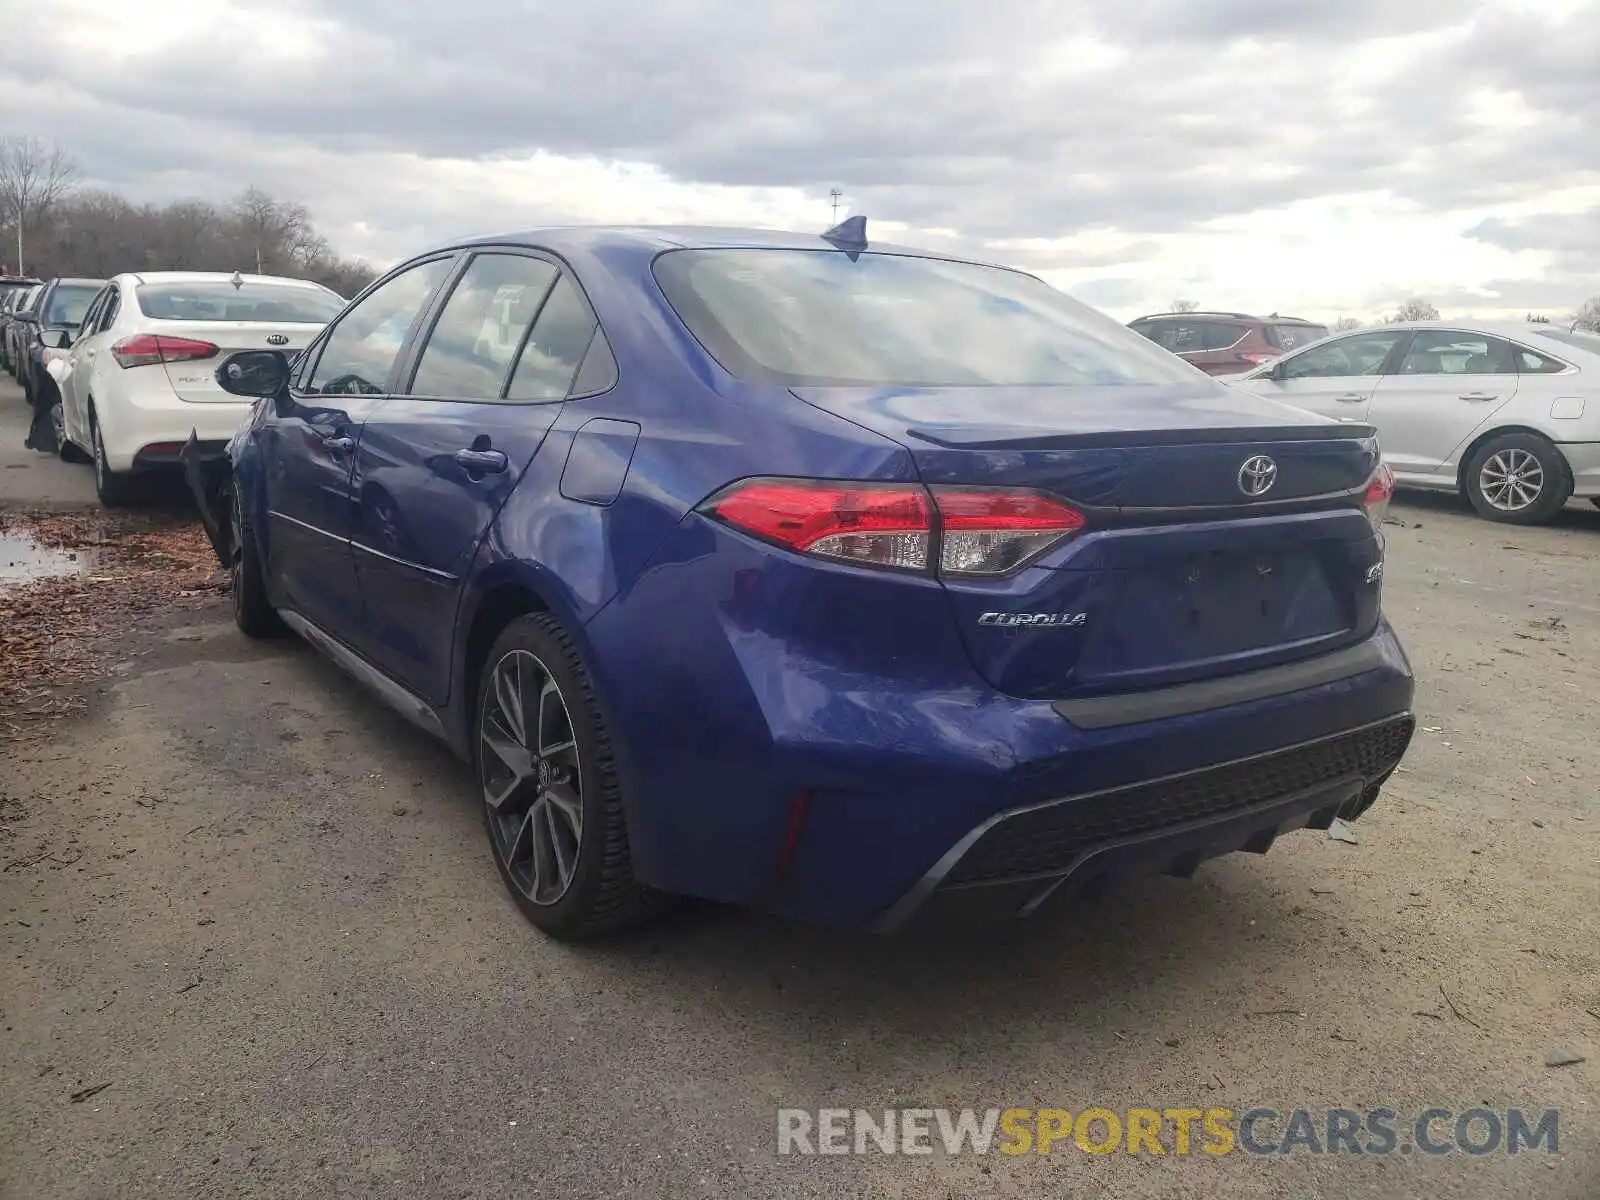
[1257, 475]
[277, 339]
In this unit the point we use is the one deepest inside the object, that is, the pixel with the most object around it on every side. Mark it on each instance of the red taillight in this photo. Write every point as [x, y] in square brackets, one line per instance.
[1380, 490]
[880, 525]
[978, 531]
[1255, 358]
[147, 349]
[990, 531]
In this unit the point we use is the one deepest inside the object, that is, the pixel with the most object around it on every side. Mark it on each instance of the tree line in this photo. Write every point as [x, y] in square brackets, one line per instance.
[50, 226]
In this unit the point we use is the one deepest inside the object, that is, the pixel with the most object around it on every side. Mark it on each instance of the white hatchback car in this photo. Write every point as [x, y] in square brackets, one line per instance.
[1507, 414]
[139, 374]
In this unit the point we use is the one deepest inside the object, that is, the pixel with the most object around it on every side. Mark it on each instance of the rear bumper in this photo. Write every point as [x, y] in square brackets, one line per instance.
[144, 428]
[813, 740]
[1019, 862]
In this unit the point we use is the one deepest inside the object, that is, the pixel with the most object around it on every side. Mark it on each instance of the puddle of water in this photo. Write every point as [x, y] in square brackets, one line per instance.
[22, 559]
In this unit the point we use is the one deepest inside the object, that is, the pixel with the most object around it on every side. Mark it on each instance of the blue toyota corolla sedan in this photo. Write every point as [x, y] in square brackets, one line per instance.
[840, 580]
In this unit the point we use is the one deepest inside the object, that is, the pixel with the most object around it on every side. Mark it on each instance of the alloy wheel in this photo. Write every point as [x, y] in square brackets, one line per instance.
[1511, 479]
[236, 566]
[531, 776]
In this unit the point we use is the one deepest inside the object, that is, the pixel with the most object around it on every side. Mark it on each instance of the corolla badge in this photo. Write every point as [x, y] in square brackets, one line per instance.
[277, 339]
[1047, 620]
[1257, 475]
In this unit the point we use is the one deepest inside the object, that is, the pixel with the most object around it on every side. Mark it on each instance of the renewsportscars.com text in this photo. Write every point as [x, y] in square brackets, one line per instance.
[1180, 1132]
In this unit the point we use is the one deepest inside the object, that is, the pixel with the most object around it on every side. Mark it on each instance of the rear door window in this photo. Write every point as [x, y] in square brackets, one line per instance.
[470, 350]
[1449, 352]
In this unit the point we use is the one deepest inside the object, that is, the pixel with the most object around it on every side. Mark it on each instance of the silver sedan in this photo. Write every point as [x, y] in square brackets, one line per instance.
[1506, 413]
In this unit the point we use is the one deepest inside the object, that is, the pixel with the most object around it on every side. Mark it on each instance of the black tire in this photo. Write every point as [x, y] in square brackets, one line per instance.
[601, 894]
[252, 610]
[1539, 471]
[115, 488]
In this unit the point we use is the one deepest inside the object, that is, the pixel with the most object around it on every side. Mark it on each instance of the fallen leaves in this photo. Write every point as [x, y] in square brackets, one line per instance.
[54, 631]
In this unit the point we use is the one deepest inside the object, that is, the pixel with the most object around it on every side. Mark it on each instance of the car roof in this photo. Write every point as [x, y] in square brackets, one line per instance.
[1200, 314]
[214, 277]
[590, 238]
[1500, 328]
[74, 281]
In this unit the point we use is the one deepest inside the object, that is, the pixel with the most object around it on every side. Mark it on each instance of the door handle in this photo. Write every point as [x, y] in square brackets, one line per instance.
[488, 462]
[1351, 398]
[1479, 397]
[339, 445]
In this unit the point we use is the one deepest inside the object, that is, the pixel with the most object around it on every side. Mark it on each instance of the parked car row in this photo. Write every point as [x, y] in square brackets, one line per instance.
[863, 586]
[127, 364]
[1506, 414]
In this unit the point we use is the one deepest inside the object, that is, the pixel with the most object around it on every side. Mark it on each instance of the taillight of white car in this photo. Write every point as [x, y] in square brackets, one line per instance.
[152, 349]
[968, 531]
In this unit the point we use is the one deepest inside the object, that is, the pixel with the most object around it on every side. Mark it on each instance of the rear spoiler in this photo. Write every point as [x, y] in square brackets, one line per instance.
[210, 479]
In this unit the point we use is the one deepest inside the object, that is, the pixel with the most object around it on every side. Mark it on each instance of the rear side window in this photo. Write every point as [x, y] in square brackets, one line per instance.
[250, 301]
[556, 346]
[822, 318]
[477, 335]
[360, 350]
[1531, 362]
[1292, 337]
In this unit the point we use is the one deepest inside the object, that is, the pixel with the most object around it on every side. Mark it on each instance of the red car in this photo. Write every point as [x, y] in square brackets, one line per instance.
[1222, 343]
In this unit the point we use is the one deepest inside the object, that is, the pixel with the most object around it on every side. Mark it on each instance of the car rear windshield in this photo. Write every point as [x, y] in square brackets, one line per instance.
[68, 303]
[221, 301]
[1572, 337]
[820, 318]
[1292, 337]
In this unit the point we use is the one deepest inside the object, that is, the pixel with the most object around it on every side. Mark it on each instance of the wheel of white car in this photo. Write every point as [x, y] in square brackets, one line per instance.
[1519, 479]
[116, 489]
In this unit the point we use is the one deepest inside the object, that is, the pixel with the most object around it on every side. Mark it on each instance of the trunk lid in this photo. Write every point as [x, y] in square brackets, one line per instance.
[1180, 574]
[195, 379]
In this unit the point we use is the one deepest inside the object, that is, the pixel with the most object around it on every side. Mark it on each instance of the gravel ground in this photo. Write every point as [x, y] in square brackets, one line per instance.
[254, 945]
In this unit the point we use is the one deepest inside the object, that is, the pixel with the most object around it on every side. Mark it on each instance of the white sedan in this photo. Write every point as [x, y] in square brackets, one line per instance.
[139, 372]
[1506, 413]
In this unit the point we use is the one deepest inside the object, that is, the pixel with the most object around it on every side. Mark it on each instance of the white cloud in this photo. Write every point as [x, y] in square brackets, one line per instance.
[1244, 153]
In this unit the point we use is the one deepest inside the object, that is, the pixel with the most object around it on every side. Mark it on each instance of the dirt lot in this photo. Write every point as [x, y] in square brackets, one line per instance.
[254, 945]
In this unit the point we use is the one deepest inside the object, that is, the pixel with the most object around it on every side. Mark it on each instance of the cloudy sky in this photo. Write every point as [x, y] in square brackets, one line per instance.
[1307, 156]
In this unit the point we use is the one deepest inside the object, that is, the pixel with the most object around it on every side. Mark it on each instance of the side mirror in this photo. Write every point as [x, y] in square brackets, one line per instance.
[254, 374]
[1277, 373]
[55, 339]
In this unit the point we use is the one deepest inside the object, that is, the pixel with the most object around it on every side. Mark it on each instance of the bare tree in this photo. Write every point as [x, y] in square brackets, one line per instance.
[1183, 306]
[1589, 315]
[1538, 319]
[1415, 309]
[1346, 324]
[34, 177]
